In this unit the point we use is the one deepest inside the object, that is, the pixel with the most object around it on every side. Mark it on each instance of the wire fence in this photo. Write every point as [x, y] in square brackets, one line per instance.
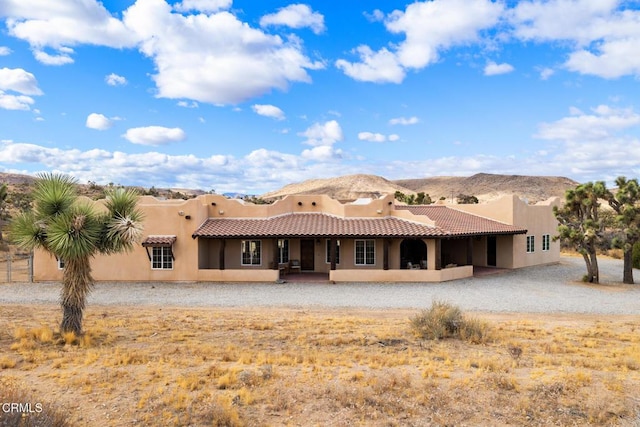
[16, 268]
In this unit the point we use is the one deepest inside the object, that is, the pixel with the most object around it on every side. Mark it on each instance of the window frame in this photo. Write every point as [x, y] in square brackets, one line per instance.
[328, 251]
[60, 262]
[283, 250]
[163, 260]
[368, 249]
[531, 244]
[251, 255]
[546, 242]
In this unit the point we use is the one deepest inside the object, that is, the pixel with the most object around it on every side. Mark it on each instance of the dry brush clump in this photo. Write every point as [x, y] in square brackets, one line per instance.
[444, 320]
[23, 409]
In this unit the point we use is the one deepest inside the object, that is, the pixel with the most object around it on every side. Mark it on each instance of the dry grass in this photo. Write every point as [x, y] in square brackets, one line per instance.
[234, 367]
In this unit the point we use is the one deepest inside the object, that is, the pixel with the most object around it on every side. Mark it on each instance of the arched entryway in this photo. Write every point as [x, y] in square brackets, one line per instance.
[413, 251]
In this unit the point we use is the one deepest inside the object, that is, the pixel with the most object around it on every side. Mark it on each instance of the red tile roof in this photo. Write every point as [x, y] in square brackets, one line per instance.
[462, 223]
[313, 225]
[159, 240]
[323, 225]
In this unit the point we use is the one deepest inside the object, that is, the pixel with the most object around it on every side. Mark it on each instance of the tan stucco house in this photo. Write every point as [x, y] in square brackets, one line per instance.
[215, 239]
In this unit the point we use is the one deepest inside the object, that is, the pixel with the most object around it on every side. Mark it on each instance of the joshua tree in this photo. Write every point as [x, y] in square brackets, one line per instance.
[580, 224]
[74, 231]
[626, 204]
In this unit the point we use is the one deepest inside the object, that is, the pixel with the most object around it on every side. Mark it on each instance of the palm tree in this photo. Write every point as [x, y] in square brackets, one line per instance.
[74, 230]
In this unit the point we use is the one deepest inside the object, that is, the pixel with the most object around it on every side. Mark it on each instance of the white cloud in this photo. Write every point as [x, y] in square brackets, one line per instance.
[19, 80]
[185, 104]
[493, 69]
[268, 111]
[98, 122]
[377, 137]
[15, 102]
[603, 124]
[376, 67]
[322, 138]
[295, 16]
[4, 51]
[545, 73]
[59, 25]
[429, 27]
[115, 80]
[322, 153]
[185, 49]
[61, 58]
[404, 121]
[203, 5]
[154, 135]
[603, 33]
[376, 16]
[371, 137]
[325, 134]
[612, 59]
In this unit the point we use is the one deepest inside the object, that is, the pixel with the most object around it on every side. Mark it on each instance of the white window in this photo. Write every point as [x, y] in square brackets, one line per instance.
[161, 258]
[60, 264]
[531, 241]
[251, 252]
[283, 251]
[365, 252]
[328, 257]
[546, 242]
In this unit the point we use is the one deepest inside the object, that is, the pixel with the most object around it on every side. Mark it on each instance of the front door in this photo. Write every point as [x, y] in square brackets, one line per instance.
[307, 255]
[491, 251]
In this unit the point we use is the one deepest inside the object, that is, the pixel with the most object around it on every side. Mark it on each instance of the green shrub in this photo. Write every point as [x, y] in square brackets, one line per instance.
[444, 320]
[636, 255]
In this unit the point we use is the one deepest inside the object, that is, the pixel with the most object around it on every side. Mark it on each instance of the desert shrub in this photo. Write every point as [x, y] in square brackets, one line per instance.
[474, 330]
[29, 410]
[444, 320]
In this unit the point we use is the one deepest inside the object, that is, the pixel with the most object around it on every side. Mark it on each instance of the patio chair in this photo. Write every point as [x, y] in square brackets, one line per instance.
[294, 265]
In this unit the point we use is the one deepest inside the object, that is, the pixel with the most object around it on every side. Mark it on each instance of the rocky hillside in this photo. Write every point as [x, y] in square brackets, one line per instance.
[484, 186]
[348, 187]
[490, 186]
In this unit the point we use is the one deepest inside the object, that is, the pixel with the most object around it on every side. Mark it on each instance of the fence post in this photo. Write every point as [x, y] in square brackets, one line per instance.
[30, 266]
[8, 268]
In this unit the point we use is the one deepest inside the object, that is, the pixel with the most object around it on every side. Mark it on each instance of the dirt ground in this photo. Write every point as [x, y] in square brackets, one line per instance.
[329, 367]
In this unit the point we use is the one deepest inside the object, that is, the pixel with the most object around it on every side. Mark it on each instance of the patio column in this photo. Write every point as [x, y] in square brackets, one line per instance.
[221, 254]
[385, 254]
[470, 251]
[438, 254]
[333, 252]
[276, 254]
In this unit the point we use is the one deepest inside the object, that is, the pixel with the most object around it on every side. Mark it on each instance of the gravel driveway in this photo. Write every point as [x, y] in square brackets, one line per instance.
[544, 289]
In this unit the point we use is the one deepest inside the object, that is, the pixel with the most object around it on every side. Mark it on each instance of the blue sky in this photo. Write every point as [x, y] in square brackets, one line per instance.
[248, 96]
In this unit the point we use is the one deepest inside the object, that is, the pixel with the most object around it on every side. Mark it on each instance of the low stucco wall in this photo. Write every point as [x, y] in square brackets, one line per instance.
[401, 275]
[229, 275]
